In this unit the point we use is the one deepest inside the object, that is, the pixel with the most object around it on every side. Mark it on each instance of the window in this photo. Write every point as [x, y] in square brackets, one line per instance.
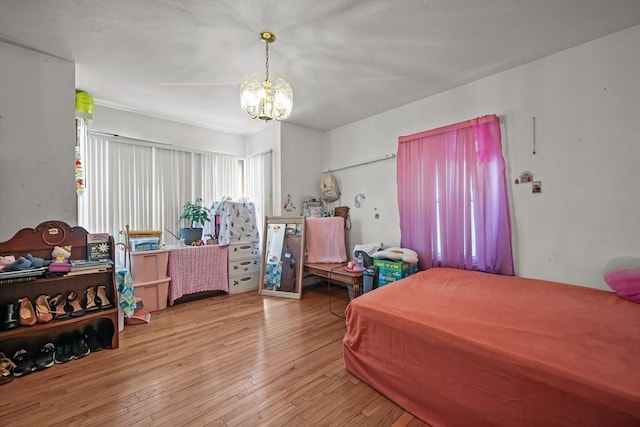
[452, 197]
[145, 185]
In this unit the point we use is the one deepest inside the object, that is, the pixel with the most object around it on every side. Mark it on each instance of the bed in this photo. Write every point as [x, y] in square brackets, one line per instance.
[464, 348]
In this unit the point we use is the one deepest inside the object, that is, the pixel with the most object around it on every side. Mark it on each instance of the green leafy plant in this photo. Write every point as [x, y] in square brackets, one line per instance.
[195, 213]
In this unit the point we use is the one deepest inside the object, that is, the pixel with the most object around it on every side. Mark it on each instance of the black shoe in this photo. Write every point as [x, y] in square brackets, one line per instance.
[79, 347]
[92, 339]
[24, 363]
[63, 350]
[45, 358]
[10, 316]
[105, 333]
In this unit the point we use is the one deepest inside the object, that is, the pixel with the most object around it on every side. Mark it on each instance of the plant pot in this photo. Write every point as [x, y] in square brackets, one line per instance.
[190, 235]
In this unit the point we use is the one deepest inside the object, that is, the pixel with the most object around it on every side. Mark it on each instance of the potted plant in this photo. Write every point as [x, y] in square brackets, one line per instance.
[197, 215]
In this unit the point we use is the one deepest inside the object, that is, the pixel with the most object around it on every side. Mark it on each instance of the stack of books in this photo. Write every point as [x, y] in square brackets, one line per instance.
[80, 266]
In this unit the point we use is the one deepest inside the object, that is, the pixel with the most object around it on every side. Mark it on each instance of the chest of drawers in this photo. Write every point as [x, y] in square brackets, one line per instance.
[244, 267]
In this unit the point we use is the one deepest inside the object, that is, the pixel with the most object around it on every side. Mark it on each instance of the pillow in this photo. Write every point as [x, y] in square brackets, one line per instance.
[397, 254]
[623, 276]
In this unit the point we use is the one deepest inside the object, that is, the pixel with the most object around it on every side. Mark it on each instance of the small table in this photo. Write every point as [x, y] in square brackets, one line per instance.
[194, 269]
[337, 273]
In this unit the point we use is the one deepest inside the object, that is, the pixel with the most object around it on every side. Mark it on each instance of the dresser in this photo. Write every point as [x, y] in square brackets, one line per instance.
[244, 267]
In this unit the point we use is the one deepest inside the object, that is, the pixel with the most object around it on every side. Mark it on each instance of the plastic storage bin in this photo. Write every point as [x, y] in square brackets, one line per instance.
[149, 266]
[154, 294]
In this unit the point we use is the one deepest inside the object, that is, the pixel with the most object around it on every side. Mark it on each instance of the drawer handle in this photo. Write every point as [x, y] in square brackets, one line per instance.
[245, 279]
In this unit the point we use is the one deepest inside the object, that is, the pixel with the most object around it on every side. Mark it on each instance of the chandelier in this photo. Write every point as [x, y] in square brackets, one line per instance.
[263, 99]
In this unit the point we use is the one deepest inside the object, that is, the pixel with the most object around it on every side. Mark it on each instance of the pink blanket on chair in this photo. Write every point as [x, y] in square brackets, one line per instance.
[325, 240]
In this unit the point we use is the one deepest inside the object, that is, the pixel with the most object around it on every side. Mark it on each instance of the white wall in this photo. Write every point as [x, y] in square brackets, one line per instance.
[138, 126]
[301, 162]
[37, 139]
[269, 139]
[297, 156]
[586, 101]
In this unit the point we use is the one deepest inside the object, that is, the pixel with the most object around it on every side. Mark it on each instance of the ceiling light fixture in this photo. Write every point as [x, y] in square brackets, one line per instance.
[262, 99]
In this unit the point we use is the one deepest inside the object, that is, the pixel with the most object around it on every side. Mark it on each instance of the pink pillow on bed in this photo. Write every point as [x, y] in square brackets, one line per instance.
[625, 279]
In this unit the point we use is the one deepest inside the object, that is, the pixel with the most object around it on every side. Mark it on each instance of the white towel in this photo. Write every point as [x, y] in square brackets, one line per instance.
[369, 249]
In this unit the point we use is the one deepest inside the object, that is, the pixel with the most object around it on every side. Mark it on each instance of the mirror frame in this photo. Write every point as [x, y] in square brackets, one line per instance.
[270, 220]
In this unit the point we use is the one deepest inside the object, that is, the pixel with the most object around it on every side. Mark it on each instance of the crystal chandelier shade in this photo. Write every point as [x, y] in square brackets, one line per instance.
[261, 98]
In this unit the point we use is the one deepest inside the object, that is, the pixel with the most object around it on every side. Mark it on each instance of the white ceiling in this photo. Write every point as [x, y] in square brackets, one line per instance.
[345, 59]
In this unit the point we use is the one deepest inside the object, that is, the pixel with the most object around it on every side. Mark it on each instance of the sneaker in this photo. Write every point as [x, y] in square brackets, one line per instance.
[63, 350]
[79, 347]
[92, 339]
[24, 363]
[46, 356]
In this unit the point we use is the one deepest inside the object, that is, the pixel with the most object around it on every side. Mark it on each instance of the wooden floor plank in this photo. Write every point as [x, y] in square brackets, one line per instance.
[226, 360]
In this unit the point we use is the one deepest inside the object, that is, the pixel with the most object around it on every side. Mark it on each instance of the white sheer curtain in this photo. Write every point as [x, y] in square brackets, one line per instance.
[259, 187]
[145, 186]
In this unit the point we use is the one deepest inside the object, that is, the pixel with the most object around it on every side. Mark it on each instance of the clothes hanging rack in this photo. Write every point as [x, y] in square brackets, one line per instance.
[363, 163]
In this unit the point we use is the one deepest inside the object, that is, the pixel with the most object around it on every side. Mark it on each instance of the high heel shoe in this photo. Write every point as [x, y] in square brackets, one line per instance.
[26, 312]
[43, 312]
[92, 304]
[58, 307]
[74, 302]
[102, 299]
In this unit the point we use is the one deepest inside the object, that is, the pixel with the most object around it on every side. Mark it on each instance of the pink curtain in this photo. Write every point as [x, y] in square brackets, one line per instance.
[452, 195]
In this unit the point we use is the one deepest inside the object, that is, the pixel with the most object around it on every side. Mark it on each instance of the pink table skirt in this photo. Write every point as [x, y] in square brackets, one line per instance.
[197, 269]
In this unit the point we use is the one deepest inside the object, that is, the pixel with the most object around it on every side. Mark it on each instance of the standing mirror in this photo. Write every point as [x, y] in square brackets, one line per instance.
[282, 257]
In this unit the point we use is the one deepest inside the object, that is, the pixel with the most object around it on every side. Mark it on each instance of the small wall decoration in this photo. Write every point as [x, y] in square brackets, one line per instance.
[524, 177]
[536, 187]
[288, 205]
[79, 173]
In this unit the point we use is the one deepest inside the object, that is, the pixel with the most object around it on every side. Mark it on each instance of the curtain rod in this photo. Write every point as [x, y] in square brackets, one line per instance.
[270, 150]
[162, 144]
[366, 162]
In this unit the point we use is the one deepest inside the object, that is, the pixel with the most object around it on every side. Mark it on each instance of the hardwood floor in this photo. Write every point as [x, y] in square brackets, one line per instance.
[228, 360]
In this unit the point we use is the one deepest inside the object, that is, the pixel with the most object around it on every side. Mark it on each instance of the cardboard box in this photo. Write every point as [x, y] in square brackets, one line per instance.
[389, 271]
[144, 244]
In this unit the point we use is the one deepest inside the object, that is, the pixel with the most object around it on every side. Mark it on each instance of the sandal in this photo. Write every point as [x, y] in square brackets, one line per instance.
[6, 369]
[43, 311]
[74, 302]
[101, 297]
[58, 307]
[92, 303]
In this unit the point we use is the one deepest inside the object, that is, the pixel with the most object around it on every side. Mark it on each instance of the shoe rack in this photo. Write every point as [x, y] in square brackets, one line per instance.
[77, 288]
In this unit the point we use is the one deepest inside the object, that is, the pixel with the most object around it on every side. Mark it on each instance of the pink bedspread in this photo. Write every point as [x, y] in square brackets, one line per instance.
[325, 240]
[462, 348]
[197, 269]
